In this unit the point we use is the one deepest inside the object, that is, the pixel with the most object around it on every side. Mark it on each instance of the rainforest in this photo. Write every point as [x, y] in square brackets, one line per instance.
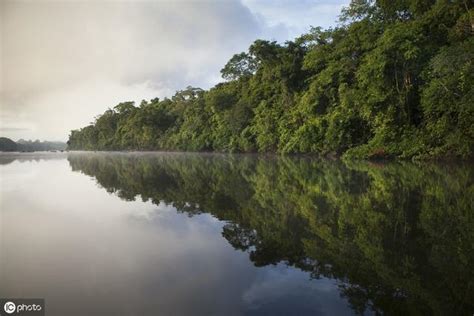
[392, 79]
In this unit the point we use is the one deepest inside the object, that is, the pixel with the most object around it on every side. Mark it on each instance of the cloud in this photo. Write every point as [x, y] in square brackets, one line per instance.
[12, 129]
[49, 44]
[291, 18]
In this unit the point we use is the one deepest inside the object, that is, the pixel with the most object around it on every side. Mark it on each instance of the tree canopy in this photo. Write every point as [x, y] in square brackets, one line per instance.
[393, 79]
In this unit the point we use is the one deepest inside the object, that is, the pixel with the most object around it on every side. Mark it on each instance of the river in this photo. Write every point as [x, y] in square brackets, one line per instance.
[213, 234]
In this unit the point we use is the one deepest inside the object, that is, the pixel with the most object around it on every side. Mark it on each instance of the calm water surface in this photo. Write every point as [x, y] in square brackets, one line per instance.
[191, 234]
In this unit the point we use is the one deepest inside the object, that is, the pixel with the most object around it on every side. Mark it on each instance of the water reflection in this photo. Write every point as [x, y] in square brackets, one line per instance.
[224, 235]
[399, 237]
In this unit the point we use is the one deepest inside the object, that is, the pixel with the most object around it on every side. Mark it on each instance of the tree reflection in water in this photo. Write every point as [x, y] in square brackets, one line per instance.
[398, 236]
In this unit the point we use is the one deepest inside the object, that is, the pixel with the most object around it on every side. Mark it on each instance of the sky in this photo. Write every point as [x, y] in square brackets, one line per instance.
[63, 62]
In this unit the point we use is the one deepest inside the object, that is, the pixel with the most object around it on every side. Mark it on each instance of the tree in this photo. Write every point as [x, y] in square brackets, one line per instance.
[240, 65]
[392, 80]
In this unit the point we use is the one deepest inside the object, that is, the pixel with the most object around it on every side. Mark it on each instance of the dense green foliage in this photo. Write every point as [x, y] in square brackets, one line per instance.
[398, 237]
[395, 78]
[6, 144]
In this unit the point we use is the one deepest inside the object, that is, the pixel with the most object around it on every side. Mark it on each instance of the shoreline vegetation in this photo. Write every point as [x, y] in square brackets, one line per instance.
[395, 79]
[8, 145]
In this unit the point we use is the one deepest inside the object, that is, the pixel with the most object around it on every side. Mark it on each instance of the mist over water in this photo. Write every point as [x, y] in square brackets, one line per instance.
[210, 234]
